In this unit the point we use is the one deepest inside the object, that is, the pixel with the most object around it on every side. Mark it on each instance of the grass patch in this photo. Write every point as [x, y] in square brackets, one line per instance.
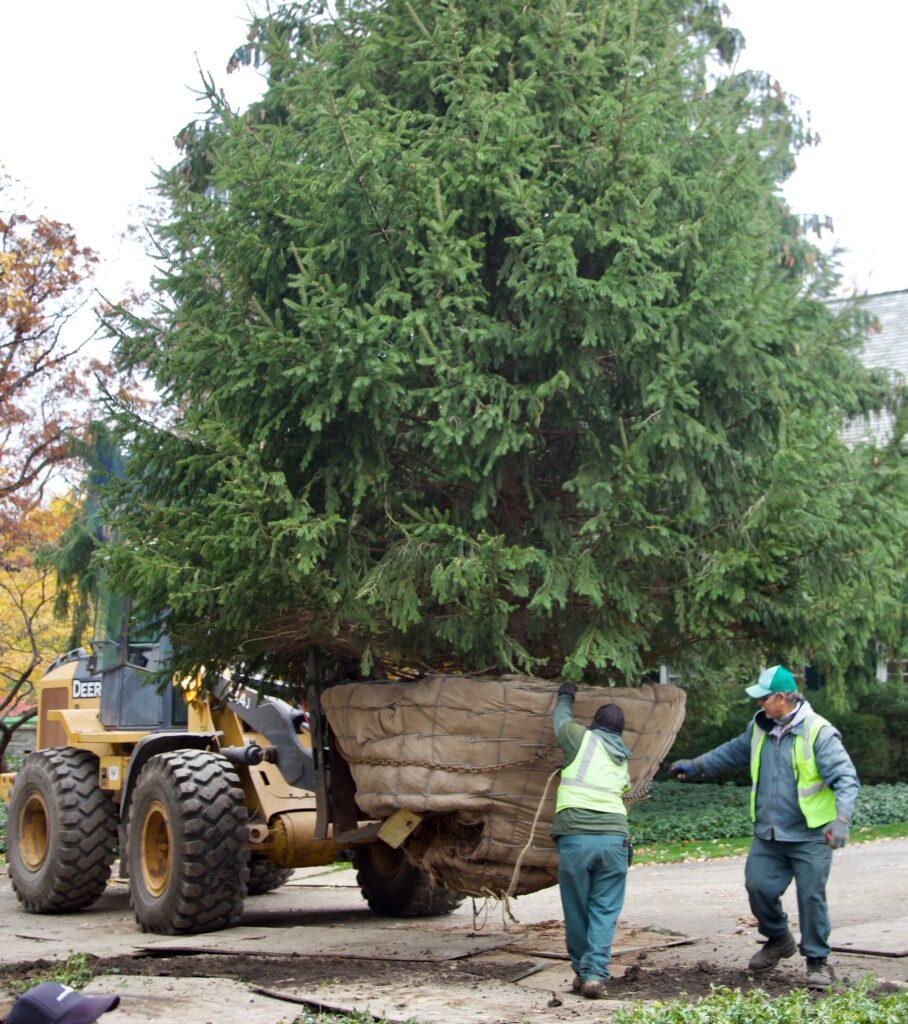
[76, 973]
[710, 849]
[692, 849]
[858, 1005]
[863, 833]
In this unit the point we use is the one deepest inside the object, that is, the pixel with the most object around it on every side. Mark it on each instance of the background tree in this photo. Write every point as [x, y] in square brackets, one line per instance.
[30, 633]
[45, 378]
[50, 379]
[487, 340]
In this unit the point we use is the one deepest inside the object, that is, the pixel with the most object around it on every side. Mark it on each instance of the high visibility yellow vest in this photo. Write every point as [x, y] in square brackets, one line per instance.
[815, 798]
[592, 780]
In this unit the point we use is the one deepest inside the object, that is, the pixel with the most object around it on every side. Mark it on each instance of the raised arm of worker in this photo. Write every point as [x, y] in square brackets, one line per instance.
[568, 733]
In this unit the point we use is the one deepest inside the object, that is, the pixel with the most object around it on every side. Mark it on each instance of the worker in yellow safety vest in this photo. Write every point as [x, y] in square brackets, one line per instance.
[590, 831]
[802, 796]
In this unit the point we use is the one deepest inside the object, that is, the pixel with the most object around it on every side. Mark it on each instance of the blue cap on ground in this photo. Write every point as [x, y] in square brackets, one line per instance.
[774, 680]
[51, 1003]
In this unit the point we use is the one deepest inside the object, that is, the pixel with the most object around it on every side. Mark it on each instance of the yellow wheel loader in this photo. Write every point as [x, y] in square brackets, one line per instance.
[206, 796]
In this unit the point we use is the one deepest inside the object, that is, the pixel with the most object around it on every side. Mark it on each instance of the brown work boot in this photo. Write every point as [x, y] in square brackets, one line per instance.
[594, 988]
[819, 974]
[577, 985]
[779, 948]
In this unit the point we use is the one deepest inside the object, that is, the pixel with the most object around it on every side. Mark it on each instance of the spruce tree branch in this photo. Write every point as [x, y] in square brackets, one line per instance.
[632, 42]
[348, 149]
[359, 177]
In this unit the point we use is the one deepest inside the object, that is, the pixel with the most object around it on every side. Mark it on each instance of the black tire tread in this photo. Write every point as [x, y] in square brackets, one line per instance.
[213, 872]
[84, 847]
[266, 876]
[410, 893]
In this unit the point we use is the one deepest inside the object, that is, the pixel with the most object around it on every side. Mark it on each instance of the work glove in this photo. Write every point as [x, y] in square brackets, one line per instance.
[836, 833]
[567, 688]
[684, 770]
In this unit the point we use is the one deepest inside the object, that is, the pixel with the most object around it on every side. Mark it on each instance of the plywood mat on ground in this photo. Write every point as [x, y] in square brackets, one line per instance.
[880, 938]
[546, 939]
[464, 1003]
[392, 943]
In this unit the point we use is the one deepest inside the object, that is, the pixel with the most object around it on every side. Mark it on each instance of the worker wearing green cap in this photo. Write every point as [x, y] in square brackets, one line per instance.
[803, 791]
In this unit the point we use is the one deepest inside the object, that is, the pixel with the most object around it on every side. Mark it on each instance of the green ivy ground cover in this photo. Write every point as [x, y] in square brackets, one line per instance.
[678, 811]
[853, 1006]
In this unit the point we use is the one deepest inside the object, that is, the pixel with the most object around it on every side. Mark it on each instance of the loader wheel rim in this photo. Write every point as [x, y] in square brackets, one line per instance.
[157, 848]
[34, 834]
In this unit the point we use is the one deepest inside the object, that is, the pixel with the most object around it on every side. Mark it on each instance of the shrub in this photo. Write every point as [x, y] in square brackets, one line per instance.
[890, 703]
[866, 741]
[882, 805]
[854, 1006]
[678, 811]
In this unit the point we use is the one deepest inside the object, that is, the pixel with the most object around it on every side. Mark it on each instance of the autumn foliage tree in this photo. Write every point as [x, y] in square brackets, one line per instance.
[48, 386]
[45, 378]
[487, 340]
[31, 634]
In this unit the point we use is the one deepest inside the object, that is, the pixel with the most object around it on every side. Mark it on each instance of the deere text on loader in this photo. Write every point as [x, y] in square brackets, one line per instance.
[207, 796]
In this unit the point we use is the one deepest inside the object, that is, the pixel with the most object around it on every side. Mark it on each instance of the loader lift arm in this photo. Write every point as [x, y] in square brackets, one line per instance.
[279, 723]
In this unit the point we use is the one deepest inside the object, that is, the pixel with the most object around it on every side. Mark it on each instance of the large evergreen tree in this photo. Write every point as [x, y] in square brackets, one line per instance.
[487, 341]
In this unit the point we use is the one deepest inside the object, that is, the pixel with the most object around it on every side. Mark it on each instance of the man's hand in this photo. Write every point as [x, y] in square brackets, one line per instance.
[684, 770]
[836, 833]
[567, 688]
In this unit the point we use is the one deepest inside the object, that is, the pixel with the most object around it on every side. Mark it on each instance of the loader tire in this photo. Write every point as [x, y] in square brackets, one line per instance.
[393, 887]
[186, 844]
[265, 876]
[61, 831]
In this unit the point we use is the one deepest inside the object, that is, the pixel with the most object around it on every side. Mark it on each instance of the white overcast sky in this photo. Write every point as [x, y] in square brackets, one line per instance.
[92, 93]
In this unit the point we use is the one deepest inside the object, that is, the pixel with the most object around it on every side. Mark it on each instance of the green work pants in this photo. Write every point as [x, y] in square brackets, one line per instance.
[771, 865]
[592, 872]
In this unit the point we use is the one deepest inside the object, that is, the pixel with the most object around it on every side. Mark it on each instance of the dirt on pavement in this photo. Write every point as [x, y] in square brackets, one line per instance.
[645, 979]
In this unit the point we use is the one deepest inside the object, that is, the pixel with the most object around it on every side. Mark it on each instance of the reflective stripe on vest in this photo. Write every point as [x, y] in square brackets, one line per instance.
[815, 798]
[592, 780]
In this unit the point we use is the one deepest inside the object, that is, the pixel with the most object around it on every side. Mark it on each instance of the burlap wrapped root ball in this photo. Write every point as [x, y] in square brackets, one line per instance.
[476, 754]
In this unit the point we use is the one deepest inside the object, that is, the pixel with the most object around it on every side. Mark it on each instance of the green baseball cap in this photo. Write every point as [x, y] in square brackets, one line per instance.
[773, 680]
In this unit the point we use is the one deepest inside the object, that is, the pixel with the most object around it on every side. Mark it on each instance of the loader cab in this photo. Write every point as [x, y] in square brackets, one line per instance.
[132, 657]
